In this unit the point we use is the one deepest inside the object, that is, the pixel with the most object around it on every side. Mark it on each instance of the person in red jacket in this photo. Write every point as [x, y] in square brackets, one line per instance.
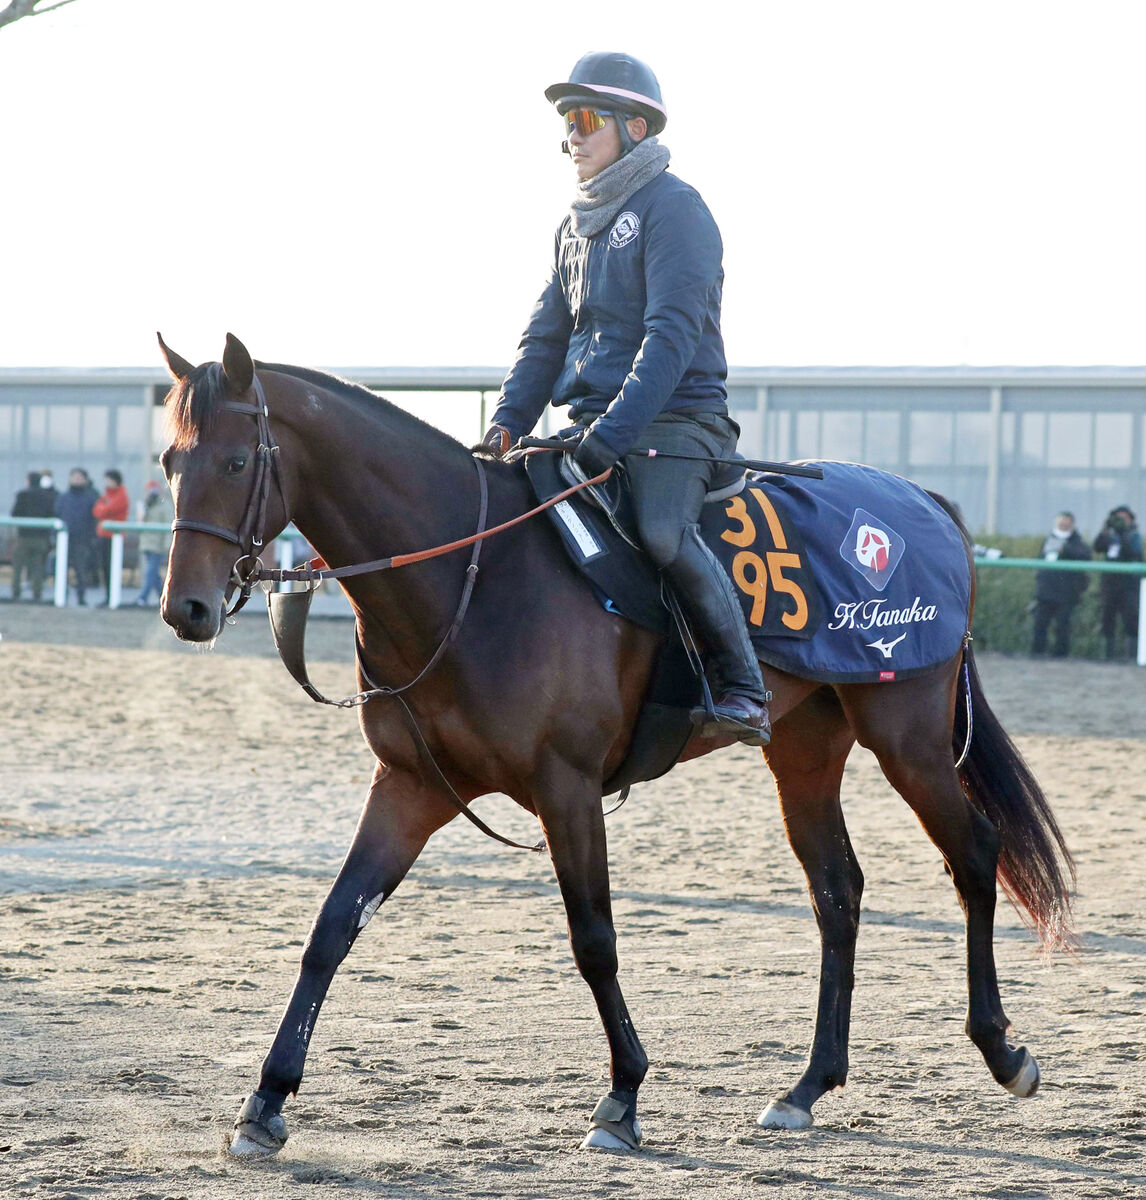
[111, 506]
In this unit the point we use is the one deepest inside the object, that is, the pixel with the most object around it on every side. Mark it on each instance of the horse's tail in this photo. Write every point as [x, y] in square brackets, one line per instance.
[1034, 862]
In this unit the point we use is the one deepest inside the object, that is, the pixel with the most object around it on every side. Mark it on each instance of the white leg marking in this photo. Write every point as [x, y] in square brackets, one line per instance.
[602, 1139]
[1026, 1082]
[782, 1115]
[369, 909]
[243, 1147]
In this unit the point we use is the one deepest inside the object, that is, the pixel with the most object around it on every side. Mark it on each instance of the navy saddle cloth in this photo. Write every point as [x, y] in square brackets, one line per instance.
[860, 577]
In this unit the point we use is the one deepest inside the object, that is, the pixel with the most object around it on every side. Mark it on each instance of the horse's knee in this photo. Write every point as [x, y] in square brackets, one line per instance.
[334, 931]
[595, 949]
[837, 903]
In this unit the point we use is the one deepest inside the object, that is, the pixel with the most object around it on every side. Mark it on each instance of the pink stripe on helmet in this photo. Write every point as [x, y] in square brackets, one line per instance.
[625, 95]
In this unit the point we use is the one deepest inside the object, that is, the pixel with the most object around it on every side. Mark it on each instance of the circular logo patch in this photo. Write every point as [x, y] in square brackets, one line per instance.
[873, 548]
[625, 229]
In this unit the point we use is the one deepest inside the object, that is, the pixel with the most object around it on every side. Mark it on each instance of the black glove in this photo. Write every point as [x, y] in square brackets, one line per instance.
[594, 455]
[496, 442]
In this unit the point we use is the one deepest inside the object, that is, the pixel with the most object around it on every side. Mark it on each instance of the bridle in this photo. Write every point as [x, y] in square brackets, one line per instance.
[246, 571]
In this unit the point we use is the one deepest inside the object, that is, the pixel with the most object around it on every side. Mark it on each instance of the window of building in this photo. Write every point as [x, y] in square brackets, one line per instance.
[1032, 439]
[1068, 439]
[931, 438]
[36, 428]
[1113, 439]
[1007, 437]
[96, 430]
[972, 439]
[881, 439]
[807, 435]
[64, 428]
[842, 436]
[129, 428]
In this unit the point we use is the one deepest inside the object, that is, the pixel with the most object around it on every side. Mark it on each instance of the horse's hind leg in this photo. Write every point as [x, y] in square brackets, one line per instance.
[908, 727]
[807, 755]
[398, 817]
[569, 805]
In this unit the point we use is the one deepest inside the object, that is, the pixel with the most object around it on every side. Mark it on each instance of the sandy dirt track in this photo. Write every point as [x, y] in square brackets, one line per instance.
[170, 821]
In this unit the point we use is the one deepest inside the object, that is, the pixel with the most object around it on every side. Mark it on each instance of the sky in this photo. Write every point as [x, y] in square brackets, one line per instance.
[366, 183]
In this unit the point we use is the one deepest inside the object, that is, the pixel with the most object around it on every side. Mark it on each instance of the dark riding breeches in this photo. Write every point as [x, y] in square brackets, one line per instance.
[668, 495]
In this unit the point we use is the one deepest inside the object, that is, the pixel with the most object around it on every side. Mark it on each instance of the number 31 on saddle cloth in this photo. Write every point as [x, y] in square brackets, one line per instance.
[859, 577]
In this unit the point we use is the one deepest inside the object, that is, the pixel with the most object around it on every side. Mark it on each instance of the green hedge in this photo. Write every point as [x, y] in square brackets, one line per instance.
[1006, 596]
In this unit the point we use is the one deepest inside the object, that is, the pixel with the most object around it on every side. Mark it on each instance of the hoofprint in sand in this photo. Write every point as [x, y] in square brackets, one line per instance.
[171, 821]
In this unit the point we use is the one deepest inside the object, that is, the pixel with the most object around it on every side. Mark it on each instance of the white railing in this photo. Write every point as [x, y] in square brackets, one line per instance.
[1083, 564]
[54, 524]
[284, 544]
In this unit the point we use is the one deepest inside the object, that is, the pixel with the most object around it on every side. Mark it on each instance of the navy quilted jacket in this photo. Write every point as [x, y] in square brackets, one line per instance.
[628, 325]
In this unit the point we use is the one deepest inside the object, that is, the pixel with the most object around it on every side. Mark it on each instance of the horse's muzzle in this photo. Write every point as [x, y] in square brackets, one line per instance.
[194, 619]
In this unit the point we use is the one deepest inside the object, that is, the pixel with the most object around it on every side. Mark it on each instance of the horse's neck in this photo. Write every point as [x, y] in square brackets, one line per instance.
[370, 484]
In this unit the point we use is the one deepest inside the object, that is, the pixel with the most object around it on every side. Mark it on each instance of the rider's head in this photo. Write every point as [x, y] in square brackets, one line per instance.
[610, 103]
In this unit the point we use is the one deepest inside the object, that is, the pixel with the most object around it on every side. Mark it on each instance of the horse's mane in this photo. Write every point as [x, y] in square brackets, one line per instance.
[195, 401]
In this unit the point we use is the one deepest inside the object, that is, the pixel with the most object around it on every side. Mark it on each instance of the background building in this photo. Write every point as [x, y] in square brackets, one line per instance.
[1009, 445]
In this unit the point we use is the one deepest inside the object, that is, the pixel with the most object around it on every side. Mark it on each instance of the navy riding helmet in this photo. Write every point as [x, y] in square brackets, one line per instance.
[616, 83]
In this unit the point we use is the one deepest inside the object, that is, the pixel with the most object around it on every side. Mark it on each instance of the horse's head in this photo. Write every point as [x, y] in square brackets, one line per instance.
[220, 465]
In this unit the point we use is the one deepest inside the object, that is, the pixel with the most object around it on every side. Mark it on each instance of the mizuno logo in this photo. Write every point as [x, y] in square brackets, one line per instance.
[885, 648]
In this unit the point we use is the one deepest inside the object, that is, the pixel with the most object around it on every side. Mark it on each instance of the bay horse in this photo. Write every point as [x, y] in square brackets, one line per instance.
[536, 697]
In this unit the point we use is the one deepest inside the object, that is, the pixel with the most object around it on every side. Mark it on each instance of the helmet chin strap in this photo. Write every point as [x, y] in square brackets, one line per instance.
[627, 142]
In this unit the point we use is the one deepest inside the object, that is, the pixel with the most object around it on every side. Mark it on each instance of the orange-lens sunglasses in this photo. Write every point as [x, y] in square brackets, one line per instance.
[585, 120]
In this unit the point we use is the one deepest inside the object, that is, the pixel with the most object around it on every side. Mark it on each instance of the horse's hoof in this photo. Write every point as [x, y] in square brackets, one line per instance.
[602, 1139]
[259, 1133]
[782, 1115]
[614, 1126]
[1026, 1082]
[242, 1147]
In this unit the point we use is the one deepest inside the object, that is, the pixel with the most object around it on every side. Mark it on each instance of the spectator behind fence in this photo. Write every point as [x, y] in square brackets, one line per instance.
[1057, 593]
[49, 484]
[74, 508]
[1119, 541]
[154, 545]
[111, 506]
[32, 545]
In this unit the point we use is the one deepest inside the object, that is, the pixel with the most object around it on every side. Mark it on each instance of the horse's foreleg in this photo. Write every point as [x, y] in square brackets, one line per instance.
[574, 826]
[807, 757]
[396, 821]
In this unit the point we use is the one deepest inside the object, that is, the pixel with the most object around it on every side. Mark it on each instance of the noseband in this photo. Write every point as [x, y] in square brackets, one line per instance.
[249, 536]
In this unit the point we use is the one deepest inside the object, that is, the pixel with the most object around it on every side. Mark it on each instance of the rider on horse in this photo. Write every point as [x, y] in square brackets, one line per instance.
[627, 333]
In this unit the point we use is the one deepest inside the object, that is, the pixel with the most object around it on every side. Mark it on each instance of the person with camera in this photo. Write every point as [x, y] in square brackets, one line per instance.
[1057, 593]
[1119, 541]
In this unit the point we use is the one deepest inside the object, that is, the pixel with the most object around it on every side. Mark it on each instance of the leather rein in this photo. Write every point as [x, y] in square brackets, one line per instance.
[249, 537]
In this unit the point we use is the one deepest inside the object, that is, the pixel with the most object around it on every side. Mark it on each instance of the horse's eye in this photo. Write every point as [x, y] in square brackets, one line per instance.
[236, 465]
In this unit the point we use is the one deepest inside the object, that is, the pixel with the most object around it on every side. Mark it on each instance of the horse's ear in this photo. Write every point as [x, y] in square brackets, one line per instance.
[238, 365]
[178, 366]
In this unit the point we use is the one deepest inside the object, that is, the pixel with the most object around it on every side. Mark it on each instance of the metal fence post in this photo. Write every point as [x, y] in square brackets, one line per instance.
[1142, 621]
[115, 583]
[60, 596]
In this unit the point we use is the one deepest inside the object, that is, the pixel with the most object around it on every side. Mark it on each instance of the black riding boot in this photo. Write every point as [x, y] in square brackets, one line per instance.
[708, 599]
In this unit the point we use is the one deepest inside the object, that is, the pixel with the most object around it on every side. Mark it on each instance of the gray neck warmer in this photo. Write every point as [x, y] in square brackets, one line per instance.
[601, 198]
